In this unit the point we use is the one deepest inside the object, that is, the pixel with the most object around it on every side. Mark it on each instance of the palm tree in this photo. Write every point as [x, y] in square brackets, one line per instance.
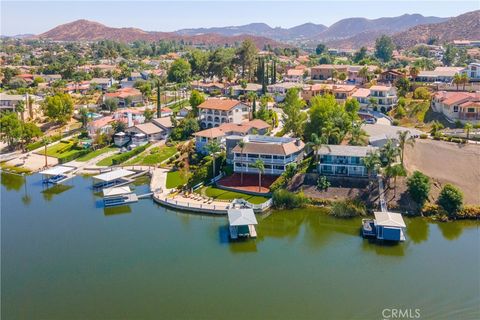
[213, 147]
[404, 139]
[46, 141]
[30, 101]
[414, 72]
[259, 165]
[329, 131]
[20, 108]
[241, 144]
[464, 80]
[467, 127]
[388, 153]
[83, 112]
[371, 162]
[316, 143]
[358, 136]
[363, 73]
[393, 172]
[436, 127]
[334, 75]
[457, 79]
[373, 103]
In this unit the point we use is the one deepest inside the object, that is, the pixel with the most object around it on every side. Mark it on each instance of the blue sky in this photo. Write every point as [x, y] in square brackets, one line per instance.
[20, 17]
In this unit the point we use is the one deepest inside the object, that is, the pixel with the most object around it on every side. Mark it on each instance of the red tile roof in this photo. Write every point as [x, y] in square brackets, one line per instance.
[219, 104]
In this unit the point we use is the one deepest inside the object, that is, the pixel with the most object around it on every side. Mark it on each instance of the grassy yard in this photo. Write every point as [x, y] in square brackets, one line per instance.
[59, 150]
[14, 169]
[153, 156]
[96, 153]
[107, 161]
[230, 195]
[174, 179]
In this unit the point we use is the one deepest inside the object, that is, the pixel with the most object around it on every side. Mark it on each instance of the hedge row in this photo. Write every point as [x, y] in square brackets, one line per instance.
[127, 155]
[38, 144]
[73, 156]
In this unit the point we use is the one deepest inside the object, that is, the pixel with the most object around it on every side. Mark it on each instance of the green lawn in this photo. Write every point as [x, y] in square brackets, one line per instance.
[60, 150]
[96, 153]
[174, 179]
[153, 156]
[107, 161]
[230, 195]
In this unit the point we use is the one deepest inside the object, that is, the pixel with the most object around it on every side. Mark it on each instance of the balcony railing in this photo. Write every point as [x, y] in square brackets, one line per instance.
[266, 160]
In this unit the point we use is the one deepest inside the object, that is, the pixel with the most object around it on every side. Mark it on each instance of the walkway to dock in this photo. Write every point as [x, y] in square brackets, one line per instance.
[381, 193]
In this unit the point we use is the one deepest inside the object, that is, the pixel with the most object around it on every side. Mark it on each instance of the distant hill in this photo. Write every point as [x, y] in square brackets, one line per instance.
[465, 26]
[84, 30]
[350, 27]
[261, 29]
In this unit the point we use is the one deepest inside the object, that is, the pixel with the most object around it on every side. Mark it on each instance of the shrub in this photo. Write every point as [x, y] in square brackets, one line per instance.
[469, 212]
[73, 156]
[127, 155]
[283, 199]
[421, 93]
[458, 124]
[423, 136]
[348, 208]
[451, 199]
[38, 144]
[432, 209]
[323, 183]
[419, 187]
[400, 112]
[395, 122]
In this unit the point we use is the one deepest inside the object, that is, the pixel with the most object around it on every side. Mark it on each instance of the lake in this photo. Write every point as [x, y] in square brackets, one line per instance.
[66, 257]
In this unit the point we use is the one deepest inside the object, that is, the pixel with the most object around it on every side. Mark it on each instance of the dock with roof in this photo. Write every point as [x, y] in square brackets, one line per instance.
[57, 174]
[112, 178]
[242, 223]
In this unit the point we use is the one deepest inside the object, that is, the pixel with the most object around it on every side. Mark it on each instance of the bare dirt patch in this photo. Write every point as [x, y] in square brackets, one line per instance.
[447, 162]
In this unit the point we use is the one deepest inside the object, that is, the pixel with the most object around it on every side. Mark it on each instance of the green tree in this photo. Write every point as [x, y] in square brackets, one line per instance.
[466, 128]
[293, 117]
[30, 131]
[111, 104]
[119, 126]
[20, 108]
[457, 80]
[364, 74]
[371, 162]
[321, 48]
[388, 153]
[196, 99]
[148, 114]
[45, 142]
[84, 118]
[10, 129]
[403, 86]
[316, 143]
[393, 172]
[360, 55]
[58, 107]
[179, 71]
[325, 59]
[419, 187]
[358, 136]
[449, 55]
[451, 199]
[435, 129]
[384, 48]
[245, 57]
[198, 60]
[241, 145]
[404, 139]
[260, 166]
[213, 147]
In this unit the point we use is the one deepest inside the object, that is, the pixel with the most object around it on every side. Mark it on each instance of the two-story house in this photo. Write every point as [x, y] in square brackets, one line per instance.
[275, 152]
[344, 160]
[326, 71]
[473, 71]
[385, 97]
[213, 112]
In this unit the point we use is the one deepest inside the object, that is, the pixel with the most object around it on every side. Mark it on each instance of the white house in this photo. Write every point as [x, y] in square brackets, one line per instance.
[343, 160]
[275, 152]
[385, 97]
[213, 112]
[473, 71]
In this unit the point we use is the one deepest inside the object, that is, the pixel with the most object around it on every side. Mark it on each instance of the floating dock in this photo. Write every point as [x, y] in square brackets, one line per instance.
[57, 174]
[118, 196]
[242, 223]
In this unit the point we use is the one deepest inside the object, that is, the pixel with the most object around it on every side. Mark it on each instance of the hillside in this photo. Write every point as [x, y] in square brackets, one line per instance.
[465, 26]
[84, 30]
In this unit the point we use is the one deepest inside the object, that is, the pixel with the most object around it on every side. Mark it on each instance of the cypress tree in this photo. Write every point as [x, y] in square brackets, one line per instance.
[158, 100]
[274, 72]
[254, 107]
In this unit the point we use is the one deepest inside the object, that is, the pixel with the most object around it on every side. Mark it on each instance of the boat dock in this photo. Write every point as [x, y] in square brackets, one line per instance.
[242, 223]
[57, 174]
[117, 196]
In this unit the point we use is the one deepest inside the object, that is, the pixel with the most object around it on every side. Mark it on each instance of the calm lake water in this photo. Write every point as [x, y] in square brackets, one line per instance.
[66, 257]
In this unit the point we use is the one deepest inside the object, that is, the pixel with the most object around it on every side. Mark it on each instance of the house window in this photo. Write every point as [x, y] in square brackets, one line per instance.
[455, 108]
[469, 110]
[244, 109]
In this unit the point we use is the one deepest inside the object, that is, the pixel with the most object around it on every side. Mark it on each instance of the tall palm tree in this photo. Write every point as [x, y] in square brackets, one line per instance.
[329, 132]
[241, 144]
[393, 172]
[388, 153]
[467, 127]
[260, 166]
[213, 147]
[46, 141]
[404, 139]
[358, 136]
[20, 108]
[316, 143]
[371, 162]
[457, 79]
[334, 76]
[84, 118]
[363, 73]
[414, 72]
[464, 80]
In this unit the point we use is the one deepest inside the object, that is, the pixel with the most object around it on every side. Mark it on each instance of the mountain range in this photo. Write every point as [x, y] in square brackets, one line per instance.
[406, 30]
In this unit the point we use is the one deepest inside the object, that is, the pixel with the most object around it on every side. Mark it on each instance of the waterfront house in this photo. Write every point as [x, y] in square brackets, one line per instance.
[202, 138]
[344, 160]
[275, 152]
[214, 112]
[164, 123]
[388, 226]
[463, 106]
[385, 97]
